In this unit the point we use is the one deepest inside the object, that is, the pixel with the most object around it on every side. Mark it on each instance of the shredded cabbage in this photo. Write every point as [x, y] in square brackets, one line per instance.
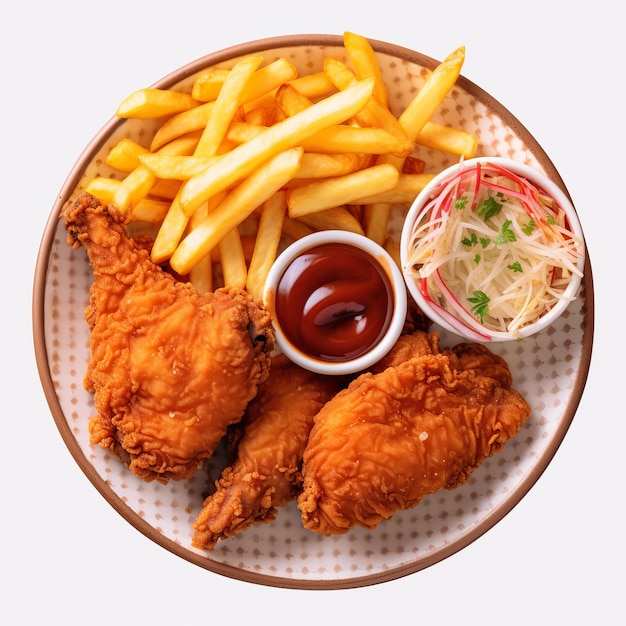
[493, 249]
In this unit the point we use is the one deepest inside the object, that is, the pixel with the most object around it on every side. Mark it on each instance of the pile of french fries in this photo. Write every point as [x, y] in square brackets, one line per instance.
[257, 153]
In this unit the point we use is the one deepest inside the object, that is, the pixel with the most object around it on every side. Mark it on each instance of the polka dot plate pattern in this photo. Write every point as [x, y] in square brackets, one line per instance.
[549, 369]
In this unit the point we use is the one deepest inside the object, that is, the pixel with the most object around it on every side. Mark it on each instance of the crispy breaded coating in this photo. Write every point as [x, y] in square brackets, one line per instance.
[411, 429]
[170, 369]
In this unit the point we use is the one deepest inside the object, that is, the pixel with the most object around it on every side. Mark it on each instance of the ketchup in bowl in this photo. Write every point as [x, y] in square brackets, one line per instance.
[334, 302]
[338, 302]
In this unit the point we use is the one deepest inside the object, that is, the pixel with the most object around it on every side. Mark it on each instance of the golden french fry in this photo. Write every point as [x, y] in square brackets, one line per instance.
[334, 192]
[150, 210]
[404, 192]
[175, 167]
[241, 132]
[413, 119]
[334, 140]
[181, 124]
[242, 160]
[295, 229]
[174, 224]
[265, 80]
[140, 181]
[319, 165]
[262, 183]
[166, 189]
[313, 86]
[233, 260]
[102, 188]
[266, 245]
[365, 63]
[448, 139]
[207, 86]
[226, 105]
[432, 93]
[201, 275]
[132, 189]
[376, 220]
[150, 103]
[269, 77]
[170, 233]
[338, 139]
[356, 139]
[374, 113]
[291, 101]
[336, 218]
[264, 115]
[124, 155]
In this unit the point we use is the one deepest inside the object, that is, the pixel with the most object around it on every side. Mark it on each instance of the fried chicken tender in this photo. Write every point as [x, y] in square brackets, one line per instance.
[170, 369]
[402, 432]
[266, 472]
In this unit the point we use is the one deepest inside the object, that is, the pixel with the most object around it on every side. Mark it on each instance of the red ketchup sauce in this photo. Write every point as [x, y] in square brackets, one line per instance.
[334, 302]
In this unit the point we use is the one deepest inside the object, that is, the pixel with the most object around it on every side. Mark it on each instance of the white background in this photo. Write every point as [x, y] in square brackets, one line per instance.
[68, 557]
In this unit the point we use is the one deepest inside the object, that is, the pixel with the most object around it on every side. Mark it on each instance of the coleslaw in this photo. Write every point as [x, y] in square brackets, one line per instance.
[493, 250]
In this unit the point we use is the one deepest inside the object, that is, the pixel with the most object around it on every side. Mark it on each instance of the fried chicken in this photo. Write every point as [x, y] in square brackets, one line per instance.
[400, 433]
[266, 472]
[170, 369]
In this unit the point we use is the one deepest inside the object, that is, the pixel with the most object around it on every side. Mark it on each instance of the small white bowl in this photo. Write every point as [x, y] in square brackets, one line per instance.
[462, 322]
[323, 304]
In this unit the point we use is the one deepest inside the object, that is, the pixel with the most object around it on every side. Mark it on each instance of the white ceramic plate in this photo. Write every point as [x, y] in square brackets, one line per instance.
[549, 369]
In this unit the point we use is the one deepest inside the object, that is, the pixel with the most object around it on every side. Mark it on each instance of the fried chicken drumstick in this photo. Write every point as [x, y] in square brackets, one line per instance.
[405, 431]
[170, 369]
[266, 472]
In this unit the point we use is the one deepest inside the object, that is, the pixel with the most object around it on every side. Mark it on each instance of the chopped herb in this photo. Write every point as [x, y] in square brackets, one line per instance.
[470, 241]
[516, 267]
[460, 202]
[477, 259]
[481, 304]
[551, 220]
[528, 229]
[488, 208]
[485, 241]
[506, 234]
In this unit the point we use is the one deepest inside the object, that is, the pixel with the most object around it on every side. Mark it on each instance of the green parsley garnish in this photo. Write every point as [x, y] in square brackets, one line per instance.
[481, 304]
[528, 229]
[516, 267]
[460, 202]
[470, 241]
[488, 208]
[506, 234]
[477, 259]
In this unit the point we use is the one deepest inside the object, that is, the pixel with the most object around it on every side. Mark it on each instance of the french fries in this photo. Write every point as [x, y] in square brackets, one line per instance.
[365, 64]
[258, 154]
[149, 103]
[267, 243]
[258, 187]
[243, 160]
[340, 190]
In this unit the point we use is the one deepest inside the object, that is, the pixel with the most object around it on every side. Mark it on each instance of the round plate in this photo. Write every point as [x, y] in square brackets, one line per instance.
[549, 369]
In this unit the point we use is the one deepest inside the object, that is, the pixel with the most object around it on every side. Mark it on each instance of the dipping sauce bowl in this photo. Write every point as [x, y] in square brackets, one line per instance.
[338, 302]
